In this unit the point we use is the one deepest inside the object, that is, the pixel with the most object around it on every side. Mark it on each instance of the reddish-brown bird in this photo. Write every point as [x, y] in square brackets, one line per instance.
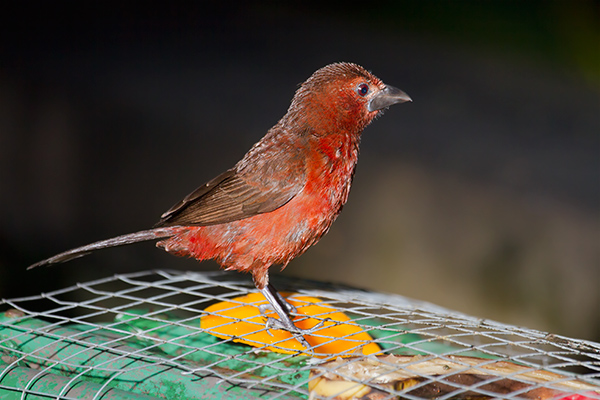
[286, 191]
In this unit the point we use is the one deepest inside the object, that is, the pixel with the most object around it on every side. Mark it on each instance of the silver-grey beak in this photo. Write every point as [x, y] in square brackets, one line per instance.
[387, 97]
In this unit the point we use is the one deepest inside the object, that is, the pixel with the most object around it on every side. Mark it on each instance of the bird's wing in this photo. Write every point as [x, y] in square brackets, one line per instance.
[239, 193]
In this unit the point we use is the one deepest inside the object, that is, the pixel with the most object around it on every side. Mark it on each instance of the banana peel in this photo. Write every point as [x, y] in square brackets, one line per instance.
[431, 377]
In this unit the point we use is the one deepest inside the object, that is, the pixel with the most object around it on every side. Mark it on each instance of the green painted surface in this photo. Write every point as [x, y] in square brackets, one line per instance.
[48, 386]
[133, 366]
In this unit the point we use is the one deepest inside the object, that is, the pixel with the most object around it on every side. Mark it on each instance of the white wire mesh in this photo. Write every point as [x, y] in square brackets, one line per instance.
[138, 335]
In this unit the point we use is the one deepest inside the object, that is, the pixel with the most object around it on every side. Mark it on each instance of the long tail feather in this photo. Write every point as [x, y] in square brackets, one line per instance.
[141, 236]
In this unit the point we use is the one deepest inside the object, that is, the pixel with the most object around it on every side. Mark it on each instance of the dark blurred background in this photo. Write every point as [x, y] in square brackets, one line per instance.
[481, 196]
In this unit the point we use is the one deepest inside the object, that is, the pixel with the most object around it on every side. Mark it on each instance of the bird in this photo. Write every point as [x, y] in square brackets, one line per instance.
[286, 191]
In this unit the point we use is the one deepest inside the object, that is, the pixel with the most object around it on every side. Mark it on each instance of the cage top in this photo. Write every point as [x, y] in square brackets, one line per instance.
[138, 335]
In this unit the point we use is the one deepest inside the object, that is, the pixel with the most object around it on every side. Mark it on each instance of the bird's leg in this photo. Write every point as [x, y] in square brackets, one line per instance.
[280, 306]
[283, 310]
[261, 281]
[288, 306]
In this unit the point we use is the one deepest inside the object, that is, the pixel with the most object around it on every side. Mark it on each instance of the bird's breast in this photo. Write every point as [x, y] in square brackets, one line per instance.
[330, 170]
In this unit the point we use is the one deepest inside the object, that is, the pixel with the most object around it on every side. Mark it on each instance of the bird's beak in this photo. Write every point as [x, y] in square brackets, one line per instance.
[387, 97]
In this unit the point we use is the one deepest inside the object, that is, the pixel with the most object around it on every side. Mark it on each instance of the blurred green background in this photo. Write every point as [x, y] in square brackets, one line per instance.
[481, 196]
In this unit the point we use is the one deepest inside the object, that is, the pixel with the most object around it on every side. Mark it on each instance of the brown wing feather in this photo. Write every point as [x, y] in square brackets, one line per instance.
[241, 192]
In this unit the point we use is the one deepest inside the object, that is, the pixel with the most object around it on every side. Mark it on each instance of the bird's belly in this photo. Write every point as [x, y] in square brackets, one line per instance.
[259, 241]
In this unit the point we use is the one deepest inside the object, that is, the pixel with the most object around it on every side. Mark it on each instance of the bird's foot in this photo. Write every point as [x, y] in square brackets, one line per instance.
[284, 310]
[286, 324]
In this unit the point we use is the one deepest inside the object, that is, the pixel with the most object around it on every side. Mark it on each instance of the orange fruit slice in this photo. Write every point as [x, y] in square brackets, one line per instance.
[241, 320]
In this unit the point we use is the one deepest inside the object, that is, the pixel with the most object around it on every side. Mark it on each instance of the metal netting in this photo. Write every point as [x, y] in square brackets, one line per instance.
[138, 336]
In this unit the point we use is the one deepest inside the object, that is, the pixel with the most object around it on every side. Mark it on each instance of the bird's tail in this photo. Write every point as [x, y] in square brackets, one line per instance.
[141, 236]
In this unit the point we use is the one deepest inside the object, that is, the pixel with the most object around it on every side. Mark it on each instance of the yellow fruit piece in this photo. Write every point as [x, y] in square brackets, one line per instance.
[342, 390]
[241, 319]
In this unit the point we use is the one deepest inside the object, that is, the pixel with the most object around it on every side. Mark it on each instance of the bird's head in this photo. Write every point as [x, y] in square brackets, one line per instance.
[342, 97]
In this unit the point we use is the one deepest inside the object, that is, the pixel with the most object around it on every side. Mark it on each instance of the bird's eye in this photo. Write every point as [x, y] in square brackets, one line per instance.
[363, 89]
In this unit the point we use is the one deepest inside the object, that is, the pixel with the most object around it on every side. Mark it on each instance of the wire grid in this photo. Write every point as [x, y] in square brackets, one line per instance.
[138, 335]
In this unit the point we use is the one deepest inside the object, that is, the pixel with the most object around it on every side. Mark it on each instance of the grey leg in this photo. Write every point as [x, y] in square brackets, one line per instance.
[290, 308]
[280, 306]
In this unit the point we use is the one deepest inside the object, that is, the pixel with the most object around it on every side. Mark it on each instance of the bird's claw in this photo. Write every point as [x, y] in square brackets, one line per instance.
[274, 323]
